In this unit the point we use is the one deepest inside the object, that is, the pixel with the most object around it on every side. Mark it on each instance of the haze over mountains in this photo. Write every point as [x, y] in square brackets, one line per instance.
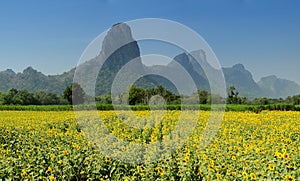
[112, 62]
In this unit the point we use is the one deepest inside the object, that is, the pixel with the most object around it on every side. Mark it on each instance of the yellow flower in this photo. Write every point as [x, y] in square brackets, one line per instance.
[188, 154]
[286, 155]
[65, 152]
[289, 178]
[271, 167]
[24, 173]
[247, 163]
[219, 176]
[160, 170]
[279, 155]
[139, 169]
[253, 176]
[52, 156]
[51, 178]
[245, 175]
[107, 159]
[187, 159]
[233, 158]
[49, 169]
[204, 156]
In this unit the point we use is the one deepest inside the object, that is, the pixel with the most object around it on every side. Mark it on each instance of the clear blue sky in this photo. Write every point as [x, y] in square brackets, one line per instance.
[50, 35]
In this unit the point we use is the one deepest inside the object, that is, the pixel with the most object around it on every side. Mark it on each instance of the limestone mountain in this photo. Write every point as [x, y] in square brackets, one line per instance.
[119, 49]
[243, 81]
[277, 87]
[33, 81]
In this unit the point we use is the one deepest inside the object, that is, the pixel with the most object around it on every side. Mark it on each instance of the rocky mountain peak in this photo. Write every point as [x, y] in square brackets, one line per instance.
[199, 54]
[118, 36]
[9, 72]
[119, 48]
[239, 67]
[29, 70]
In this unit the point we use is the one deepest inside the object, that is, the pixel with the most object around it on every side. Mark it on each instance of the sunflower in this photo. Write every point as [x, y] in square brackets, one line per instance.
[187, 159]
[65, 152]
[49, 169]
[51, 178]
[253, 176]
[286, 156]
[288, 177]
[107, 159]
[271, 167]
[219, 176]
[160, 170]
[245, 175]
[52, 156]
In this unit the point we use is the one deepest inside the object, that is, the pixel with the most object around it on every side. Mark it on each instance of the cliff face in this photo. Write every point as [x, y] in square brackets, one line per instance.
[118, 49]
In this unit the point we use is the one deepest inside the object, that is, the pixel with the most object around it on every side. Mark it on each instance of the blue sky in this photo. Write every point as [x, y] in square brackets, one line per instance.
[50, 35]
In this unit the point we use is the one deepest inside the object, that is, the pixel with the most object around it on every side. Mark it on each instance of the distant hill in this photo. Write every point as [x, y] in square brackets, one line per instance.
[32, 80]
[113, 60]
[277, 87]
[242, 79]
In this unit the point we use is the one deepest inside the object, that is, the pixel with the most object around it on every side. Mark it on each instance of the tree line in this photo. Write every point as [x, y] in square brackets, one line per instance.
[23, 97]
[135, 95]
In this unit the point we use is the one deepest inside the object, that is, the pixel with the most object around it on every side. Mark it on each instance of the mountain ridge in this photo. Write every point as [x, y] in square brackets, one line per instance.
[119, 48]
[33, 80]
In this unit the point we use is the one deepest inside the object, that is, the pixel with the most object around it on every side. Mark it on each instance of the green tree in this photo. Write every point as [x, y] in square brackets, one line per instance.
[23, 97]
[233, 96]
[136, 95]
[74, 94]
[261, 101]
[19, 97]
[295, 100]
[217, 99]
[9, 97]
[104, 99]
[203, 96]
[1, 97]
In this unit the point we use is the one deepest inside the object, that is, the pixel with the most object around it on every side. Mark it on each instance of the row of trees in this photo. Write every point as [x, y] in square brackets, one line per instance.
[138, 95]
[234, 98]
[74, 94]
[23, 97]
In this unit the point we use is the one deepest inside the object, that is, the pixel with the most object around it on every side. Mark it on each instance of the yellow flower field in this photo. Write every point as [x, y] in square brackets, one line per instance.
[57, 146]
